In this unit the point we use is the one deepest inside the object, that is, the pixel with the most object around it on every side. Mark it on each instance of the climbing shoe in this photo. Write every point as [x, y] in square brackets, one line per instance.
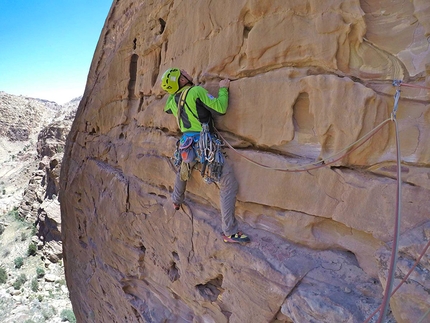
[176, 206]
[236, 238]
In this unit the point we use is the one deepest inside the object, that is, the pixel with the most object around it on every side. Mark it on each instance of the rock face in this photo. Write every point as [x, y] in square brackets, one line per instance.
[309, 78]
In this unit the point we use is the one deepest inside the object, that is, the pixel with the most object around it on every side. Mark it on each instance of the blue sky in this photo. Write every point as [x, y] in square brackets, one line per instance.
[46, 46]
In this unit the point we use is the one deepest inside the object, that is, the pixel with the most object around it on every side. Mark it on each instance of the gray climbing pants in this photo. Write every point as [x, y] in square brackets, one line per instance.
[228, 190]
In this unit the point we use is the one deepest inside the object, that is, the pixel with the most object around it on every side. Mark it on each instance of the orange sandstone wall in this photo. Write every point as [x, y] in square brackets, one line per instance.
[308, 79]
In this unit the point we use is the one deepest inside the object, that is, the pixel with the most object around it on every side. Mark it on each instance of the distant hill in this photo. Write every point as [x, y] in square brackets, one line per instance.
[21, 120]
[32, 136]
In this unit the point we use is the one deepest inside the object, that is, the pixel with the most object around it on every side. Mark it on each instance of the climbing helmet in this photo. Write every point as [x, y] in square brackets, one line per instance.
[170, 80]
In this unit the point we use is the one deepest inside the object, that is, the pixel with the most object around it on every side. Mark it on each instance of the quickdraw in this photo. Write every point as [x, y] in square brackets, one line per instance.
[208, 148]
[210, 154]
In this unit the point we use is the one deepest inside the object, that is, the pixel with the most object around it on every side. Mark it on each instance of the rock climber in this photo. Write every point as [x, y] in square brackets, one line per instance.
[193, 107]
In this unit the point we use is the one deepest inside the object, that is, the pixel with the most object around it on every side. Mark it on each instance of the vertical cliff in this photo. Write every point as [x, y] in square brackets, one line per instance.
[309, 78]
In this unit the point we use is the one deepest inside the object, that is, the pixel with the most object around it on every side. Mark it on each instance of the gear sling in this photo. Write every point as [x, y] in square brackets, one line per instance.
[204, 147]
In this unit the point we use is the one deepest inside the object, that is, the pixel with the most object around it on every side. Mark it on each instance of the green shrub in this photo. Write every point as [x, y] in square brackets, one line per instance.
[48, 313]
[34, 284]
[3, 275]
[18, 262]
[40, 272]
[15, 213]
[32, 248]
[23, 236]
[20, 281]
[68, 315]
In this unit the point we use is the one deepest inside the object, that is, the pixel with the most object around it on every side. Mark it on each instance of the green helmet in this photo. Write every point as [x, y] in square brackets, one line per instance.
[170, 80]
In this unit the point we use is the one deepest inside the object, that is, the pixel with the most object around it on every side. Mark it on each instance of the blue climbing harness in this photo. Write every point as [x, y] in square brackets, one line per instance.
[204, 147]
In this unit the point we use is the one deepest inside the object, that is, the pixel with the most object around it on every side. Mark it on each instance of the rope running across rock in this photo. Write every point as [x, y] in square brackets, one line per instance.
[383, 308]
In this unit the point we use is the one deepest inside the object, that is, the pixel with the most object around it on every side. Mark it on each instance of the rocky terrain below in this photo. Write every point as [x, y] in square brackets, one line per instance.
[35, 289]
[32, 282]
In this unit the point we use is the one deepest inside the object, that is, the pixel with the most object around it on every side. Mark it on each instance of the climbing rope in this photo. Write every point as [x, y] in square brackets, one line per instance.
[346, 151]
[329, 160]
[424, 316]
[209, 151]
[423, 252]
[413, 86]
[394, 251]
[321, 163]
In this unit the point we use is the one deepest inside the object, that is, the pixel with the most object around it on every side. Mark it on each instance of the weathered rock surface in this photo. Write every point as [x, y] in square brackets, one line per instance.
[309, 78]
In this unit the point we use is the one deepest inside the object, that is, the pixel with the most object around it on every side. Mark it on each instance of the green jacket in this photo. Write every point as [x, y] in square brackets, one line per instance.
[199, 105]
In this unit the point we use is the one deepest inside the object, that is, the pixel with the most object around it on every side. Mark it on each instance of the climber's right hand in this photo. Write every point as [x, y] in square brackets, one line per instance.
[224, 83]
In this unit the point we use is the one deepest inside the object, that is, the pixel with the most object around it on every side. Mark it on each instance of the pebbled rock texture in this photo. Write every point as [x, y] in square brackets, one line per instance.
[309, 78]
